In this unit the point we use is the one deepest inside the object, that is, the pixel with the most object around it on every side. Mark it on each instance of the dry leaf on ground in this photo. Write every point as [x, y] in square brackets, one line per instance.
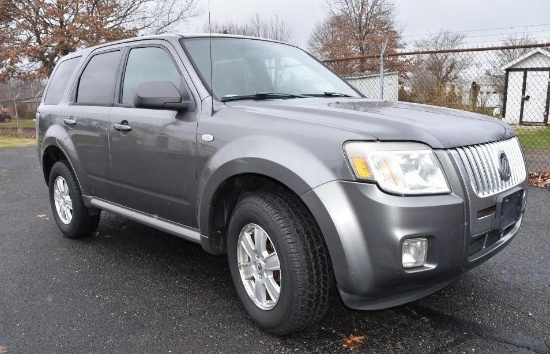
[353, 342]
[539, 179]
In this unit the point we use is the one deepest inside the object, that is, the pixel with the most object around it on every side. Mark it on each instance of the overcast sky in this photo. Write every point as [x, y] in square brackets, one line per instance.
[415, 17]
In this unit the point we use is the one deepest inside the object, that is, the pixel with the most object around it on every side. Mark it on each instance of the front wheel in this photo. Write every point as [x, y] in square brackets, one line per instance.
[279, 262]
[70, 213]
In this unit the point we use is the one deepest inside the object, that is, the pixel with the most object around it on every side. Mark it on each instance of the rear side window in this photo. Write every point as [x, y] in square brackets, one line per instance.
[97, 83]
[59, 80]
[147, 65]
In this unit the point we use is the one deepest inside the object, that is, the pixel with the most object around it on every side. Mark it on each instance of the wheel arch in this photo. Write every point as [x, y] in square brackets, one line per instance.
[219, 201]
[57, 145]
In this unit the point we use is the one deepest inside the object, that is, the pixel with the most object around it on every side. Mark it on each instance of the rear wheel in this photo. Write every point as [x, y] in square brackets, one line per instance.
[279, 262]
[70, 213]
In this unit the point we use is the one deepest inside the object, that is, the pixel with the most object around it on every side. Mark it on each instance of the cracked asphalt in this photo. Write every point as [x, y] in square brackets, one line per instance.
[134, 289]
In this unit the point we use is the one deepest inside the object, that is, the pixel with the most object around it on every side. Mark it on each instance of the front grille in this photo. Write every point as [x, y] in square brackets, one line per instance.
[482, 164]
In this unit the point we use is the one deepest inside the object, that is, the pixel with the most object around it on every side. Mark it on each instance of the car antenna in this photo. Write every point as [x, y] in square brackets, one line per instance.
[211, 65]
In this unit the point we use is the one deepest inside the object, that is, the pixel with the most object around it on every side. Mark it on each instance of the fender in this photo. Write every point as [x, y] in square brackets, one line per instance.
[286, 161]
[57, 136]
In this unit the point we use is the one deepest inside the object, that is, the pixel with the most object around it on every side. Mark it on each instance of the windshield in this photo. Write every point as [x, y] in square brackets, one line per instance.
[246, 67]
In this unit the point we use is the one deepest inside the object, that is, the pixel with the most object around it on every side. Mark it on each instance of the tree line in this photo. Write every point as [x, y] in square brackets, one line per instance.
[34, 34]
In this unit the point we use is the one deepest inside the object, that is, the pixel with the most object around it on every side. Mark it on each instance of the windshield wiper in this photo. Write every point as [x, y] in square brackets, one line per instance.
[261, 96]
[327, 94]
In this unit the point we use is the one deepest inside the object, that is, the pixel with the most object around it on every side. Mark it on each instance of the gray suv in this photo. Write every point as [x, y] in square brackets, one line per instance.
[254, 149]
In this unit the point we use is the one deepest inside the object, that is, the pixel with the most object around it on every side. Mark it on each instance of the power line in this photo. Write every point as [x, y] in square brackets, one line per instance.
[481, 30]
[506, 34]
[499, 42]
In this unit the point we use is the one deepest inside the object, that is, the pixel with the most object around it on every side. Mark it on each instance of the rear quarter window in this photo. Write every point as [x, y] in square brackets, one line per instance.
[59, 80]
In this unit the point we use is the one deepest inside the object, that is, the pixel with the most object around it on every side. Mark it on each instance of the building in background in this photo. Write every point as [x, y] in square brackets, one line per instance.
[369, 85]
[490, 91]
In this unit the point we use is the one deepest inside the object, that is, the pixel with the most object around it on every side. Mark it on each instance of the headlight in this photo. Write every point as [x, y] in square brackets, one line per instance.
[398, 168]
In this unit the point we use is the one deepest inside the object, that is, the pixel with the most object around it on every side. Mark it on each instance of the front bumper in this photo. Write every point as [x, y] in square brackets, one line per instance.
[364, 229]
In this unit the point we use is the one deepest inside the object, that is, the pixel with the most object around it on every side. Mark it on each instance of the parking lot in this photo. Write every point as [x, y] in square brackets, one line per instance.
[134, 289]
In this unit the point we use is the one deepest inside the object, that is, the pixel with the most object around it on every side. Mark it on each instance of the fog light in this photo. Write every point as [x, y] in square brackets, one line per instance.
[414, 252]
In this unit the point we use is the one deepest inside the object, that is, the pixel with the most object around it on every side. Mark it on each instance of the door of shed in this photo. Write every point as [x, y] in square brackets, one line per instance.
[527, 96]
[535, 109]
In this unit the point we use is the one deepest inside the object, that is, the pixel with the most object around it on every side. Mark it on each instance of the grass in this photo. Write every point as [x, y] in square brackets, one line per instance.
[23, 123]
[10, 137]
[534, 137]
[13, 141]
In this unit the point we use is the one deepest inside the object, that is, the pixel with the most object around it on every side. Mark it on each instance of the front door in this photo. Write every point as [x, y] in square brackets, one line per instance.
[154, 162]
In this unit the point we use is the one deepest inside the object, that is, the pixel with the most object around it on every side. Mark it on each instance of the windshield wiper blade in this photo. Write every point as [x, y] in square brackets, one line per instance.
[261, 96]
[327, 94]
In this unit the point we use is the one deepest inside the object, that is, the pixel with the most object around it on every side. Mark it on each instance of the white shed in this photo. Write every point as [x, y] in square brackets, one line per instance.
[527, 88]
[369, 85]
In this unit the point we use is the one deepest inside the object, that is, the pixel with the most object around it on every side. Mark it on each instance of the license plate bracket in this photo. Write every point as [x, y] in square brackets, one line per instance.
[508, 209]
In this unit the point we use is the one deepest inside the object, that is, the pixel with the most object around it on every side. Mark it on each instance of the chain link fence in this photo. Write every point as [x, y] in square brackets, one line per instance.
[17, 116]
[511, 83]
[23, 108]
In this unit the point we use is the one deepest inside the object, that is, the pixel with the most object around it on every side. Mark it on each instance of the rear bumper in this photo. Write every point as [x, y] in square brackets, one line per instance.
[364, 229]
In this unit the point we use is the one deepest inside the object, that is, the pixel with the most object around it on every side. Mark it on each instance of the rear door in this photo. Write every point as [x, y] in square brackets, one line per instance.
[154, 162]
[88, 123]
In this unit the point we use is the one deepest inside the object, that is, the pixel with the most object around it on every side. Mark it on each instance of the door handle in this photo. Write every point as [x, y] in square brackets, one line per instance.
[123, 127]
[70, 121]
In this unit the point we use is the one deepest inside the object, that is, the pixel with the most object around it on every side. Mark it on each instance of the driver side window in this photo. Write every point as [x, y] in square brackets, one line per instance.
[147, 65]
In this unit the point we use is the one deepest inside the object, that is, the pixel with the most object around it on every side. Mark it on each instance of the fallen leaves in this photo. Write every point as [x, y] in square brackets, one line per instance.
[3, 350]
[539, 179]
[353, 342]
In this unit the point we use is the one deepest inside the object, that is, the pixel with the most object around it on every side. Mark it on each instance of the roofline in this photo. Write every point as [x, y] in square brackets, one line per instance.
[84, 51]
[224, 35]
[525, 56]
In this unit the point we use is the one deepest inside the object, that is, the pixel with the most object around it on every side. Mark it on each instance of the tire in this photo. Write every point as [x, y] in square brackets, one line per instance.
[73, 219]
[305, 271]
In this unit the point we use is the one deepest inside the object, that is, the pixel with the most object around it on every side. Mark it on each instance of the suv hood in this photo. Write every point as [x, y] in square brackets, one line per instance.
[438, 127]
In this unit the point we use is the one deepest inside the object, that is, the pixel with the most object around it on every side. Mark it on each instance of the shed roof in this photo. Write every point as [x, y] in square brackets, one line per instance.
[517, 63]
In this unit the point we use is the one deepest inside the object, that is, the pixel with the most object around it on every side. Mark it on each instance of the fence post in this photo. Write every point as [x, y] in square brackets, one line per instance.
[382, 53]
[16, 112]
[36, 101]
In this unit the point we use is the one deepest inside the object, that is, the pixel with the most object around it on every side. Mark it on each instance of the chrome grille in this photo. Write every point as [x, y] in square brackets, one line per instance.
[482, 164]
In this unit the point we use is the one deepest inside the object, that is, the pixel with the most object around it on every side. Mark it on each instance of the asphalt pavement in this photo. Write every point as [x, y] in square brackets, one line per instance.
[132, 289]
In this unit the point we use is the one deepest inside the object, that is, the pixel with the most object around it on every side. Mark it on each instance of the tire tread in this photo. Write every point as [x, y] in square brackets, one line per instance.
[309, 258]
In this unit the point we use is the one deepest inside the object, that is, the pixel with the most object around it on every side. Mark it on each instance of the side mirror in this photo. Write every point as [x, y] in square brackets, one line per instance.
[161, 95]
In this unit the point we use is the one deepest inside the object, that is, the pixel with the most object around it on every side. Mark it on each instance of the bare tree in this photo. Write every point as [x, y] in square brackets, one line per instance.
[433, 77]
[38, 32]
[274, 28]
[506, 56]
[356, 28]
